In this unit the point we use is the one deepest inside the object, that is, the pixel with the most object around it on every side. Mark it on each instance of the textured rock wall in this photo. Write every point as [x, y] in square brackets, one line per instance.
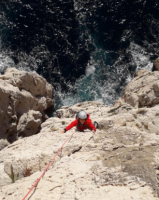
[119, 161]
[143, 90]
[24, 98]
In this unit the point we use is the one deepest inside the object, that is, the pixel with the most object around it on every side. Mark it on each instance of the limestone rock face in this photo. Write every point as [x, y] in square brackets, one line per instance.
[142, 119]
[140, 73]
[31, 82]
[89, 106]
[120, 159]
[143, 90]
[29, 123]
[156, 65]
[21, 92]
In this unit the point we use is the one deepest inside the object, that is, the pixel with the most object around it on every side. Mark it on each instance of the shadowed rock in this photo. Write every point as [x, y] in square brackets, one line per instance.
[156, 65]
[22, 93]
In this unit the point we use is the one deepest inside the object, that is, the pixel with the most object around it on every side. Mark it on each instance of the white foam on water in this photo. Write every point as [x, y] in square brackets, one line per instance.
[24, 64]
[5, 62]
[128, 79]
[89, 87]
[140, 57]
[90, 69]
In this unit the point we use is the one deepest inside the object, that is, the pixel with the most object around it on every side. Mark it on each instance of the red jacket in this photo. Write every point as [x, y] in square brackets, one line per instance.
[81, 127]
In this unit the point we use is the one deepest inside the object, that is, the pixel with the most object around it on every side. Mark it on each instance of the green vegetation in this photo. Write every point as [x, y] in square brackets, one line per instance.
[12, 177]
[52, 128]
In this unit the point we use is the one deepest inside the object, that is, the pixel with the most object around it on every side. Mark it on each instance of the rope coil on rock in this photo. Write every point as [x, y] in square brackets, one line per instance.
[35, 184]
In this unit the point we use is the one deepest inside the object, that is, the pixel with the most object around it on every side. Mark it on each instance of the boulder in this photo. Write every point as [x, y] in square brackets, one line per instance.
[143, 90]
[21, 92]
[29, 123]
[31, 82]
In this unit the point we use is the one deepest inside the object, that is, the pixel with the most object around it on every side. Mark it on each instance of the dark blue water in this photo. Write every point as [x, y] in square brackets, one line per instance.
[88, 50]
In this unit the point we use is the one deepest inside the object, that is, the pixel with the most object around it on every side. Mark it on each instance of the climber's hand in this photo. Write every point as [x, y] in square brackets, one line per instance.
[93, 131]
[62, 131]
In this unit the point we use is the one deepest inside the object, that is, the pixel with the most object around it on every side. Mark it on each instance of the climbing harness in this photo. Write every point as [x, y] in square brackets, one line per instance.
[50, 163]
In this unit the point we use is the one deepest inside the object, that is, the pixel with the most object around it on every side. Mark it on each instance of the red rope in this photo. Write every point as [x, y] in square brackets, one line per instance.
[47, 167]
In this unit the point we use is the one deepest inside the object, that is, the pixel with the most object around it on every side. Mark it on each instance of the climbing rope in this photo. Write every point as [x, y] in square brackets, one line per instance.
[35, 184]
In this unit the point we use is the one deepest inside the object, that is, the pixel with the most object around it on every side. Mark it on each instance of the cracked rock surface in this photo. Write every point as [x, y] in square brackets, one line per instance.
[117, 162]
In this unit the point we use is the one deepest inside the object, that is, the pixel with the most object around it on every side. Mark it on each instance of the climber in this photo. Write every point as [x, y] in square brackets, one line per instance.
[81, 122]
